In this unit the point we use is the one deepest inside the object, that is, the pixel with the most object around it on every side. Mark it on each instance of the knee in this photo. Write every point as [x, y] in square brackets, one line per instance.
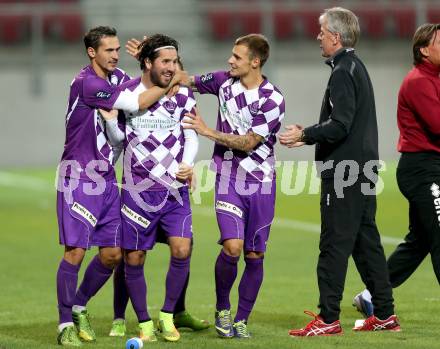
[254, 255]
[74, 255]
[111, 258]
[181, 252]
[134, 258]
[111, 261]
[233, 250]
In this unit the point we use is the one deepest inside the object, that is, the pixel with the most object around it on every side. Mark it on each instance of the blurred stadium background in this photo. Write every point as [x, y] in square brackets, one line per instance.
[41, 50]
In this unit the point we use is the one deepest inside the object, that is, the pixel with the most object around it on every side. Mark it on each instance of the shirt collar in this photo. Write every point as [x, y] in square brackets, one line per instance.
[331, 61]
[429, 68]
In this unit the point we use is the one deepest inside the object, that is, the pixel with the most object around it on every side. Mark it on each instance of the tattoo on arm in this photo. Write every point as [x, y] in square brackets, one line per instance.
[245, 142]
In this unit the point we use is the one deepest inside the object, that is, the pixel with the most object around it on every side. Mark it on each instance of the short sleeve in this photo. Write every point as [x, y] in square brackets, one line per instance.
[210, 83]
[98, 93]
[270, 114]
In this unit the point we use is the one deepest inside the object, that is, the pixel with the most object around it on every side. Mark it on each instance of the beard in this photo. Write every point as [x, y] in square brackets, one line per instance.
[155, 79]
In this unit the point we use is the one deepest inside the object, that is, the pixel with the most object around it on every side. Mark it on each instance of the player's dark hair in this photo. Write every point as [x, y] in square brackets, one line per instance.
[93, 37]
[148, 47]
[257, 45]
[422, 38]
[180, 63]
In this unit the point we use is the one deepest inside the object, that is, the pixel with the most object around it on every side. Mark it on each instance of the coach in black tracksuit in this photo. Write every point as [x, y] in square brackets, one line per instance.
[346, 141]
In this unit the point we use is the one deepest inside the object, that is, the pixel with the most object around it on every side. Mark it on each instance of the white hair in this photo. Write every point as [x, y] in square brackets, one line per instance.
[342, 21]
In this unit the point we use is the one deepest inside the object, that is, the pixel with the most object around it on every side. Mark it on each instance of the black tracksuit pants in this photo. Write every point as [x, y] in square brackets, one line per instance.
[348, 227]
[418, 177]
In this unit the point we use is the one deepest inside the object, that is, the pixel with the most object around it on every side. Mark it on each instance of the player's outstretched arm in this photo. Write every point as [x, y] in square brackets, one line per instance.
[132, 47]
[245, 142]
[132, 102]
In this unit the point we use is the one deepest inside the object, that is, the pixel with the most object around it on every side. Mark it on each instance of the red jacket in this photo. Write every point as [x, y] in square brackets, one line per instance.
[418, 110]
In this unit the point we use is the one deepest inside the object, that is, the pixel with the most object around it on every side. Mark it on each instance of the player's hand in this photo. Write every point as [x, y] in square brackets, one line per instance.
[296, 145]
[181, 77]
[196, 123]
[132, 47]
[192, 182]
[291, 136]
[184, 173]
[108, 115]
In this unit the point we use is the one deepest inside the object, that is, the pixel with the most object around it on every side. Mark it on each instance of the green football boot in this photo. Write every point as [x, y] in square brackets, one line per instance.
[185, 319]
[69, 337]
[167, 328]
[223, 323]
[241, 330]
[118, 328]
[82, 323]
[147, 332]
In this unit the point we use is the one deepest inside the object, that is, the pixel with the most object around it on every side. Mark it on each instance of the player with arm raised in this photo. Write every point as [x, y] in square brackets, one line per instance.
[88, 198]
[182, 318]
[250, 114]
[158, 162]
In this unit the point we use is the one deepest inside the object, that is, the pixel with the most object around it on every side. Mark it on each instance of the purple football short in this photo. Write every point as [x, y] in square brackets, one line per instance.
[245, 211]
[159, 213]
[88, 215]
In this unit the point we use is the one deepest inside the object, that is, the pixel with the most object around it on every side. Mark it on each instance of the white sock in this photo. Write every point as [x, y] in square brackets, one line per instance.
[64, 325]
[78, 308]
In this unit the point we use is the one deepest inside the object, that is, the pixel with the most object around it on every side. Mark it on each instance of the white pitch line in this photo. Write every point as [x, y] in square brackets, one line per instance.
[28, 182]
[292, 224]
[8, 179]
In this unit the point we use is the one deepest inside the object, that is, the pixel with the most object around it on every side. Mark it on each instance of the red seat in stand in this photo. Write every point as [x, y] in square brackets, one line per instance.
[310, 22]
[250, 22]
[433, 15]
[372, 21]
[404, 21]
[284, 24]
[14, 28]
[221, 24]
[72, 27]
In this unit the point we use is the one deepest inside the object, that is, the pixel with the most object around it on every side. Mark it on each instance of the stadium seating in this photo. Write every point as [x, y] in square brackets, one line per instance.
[16, 28]
[378, 19]
[310, 23]
[284, 24]
[289, 19]
[251, 21]
[221, 24]
[433, 14]
[372, 21]
[404, 20]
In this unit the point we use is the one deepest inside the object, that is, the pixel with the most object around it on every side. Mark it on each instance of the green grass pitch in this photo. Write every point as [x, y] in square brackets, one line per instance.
[29, 255]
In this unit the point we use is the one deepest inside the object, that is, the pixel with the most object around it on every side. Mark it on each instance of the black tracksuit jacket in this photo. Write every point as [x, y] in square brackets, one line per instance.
[347, 128]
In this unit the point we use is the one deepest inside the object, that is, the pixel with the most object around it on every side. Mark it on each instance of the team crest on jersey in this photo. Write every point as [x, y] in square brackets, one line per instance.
[206, 78]
[114, 79]
[253, 108]
[227, 92]
[170, 106]
[103, 94]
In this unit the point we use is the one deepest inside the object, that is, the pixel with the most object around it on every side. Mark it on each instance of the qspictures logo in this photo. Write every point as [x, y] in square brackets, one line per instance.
[435, 189]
